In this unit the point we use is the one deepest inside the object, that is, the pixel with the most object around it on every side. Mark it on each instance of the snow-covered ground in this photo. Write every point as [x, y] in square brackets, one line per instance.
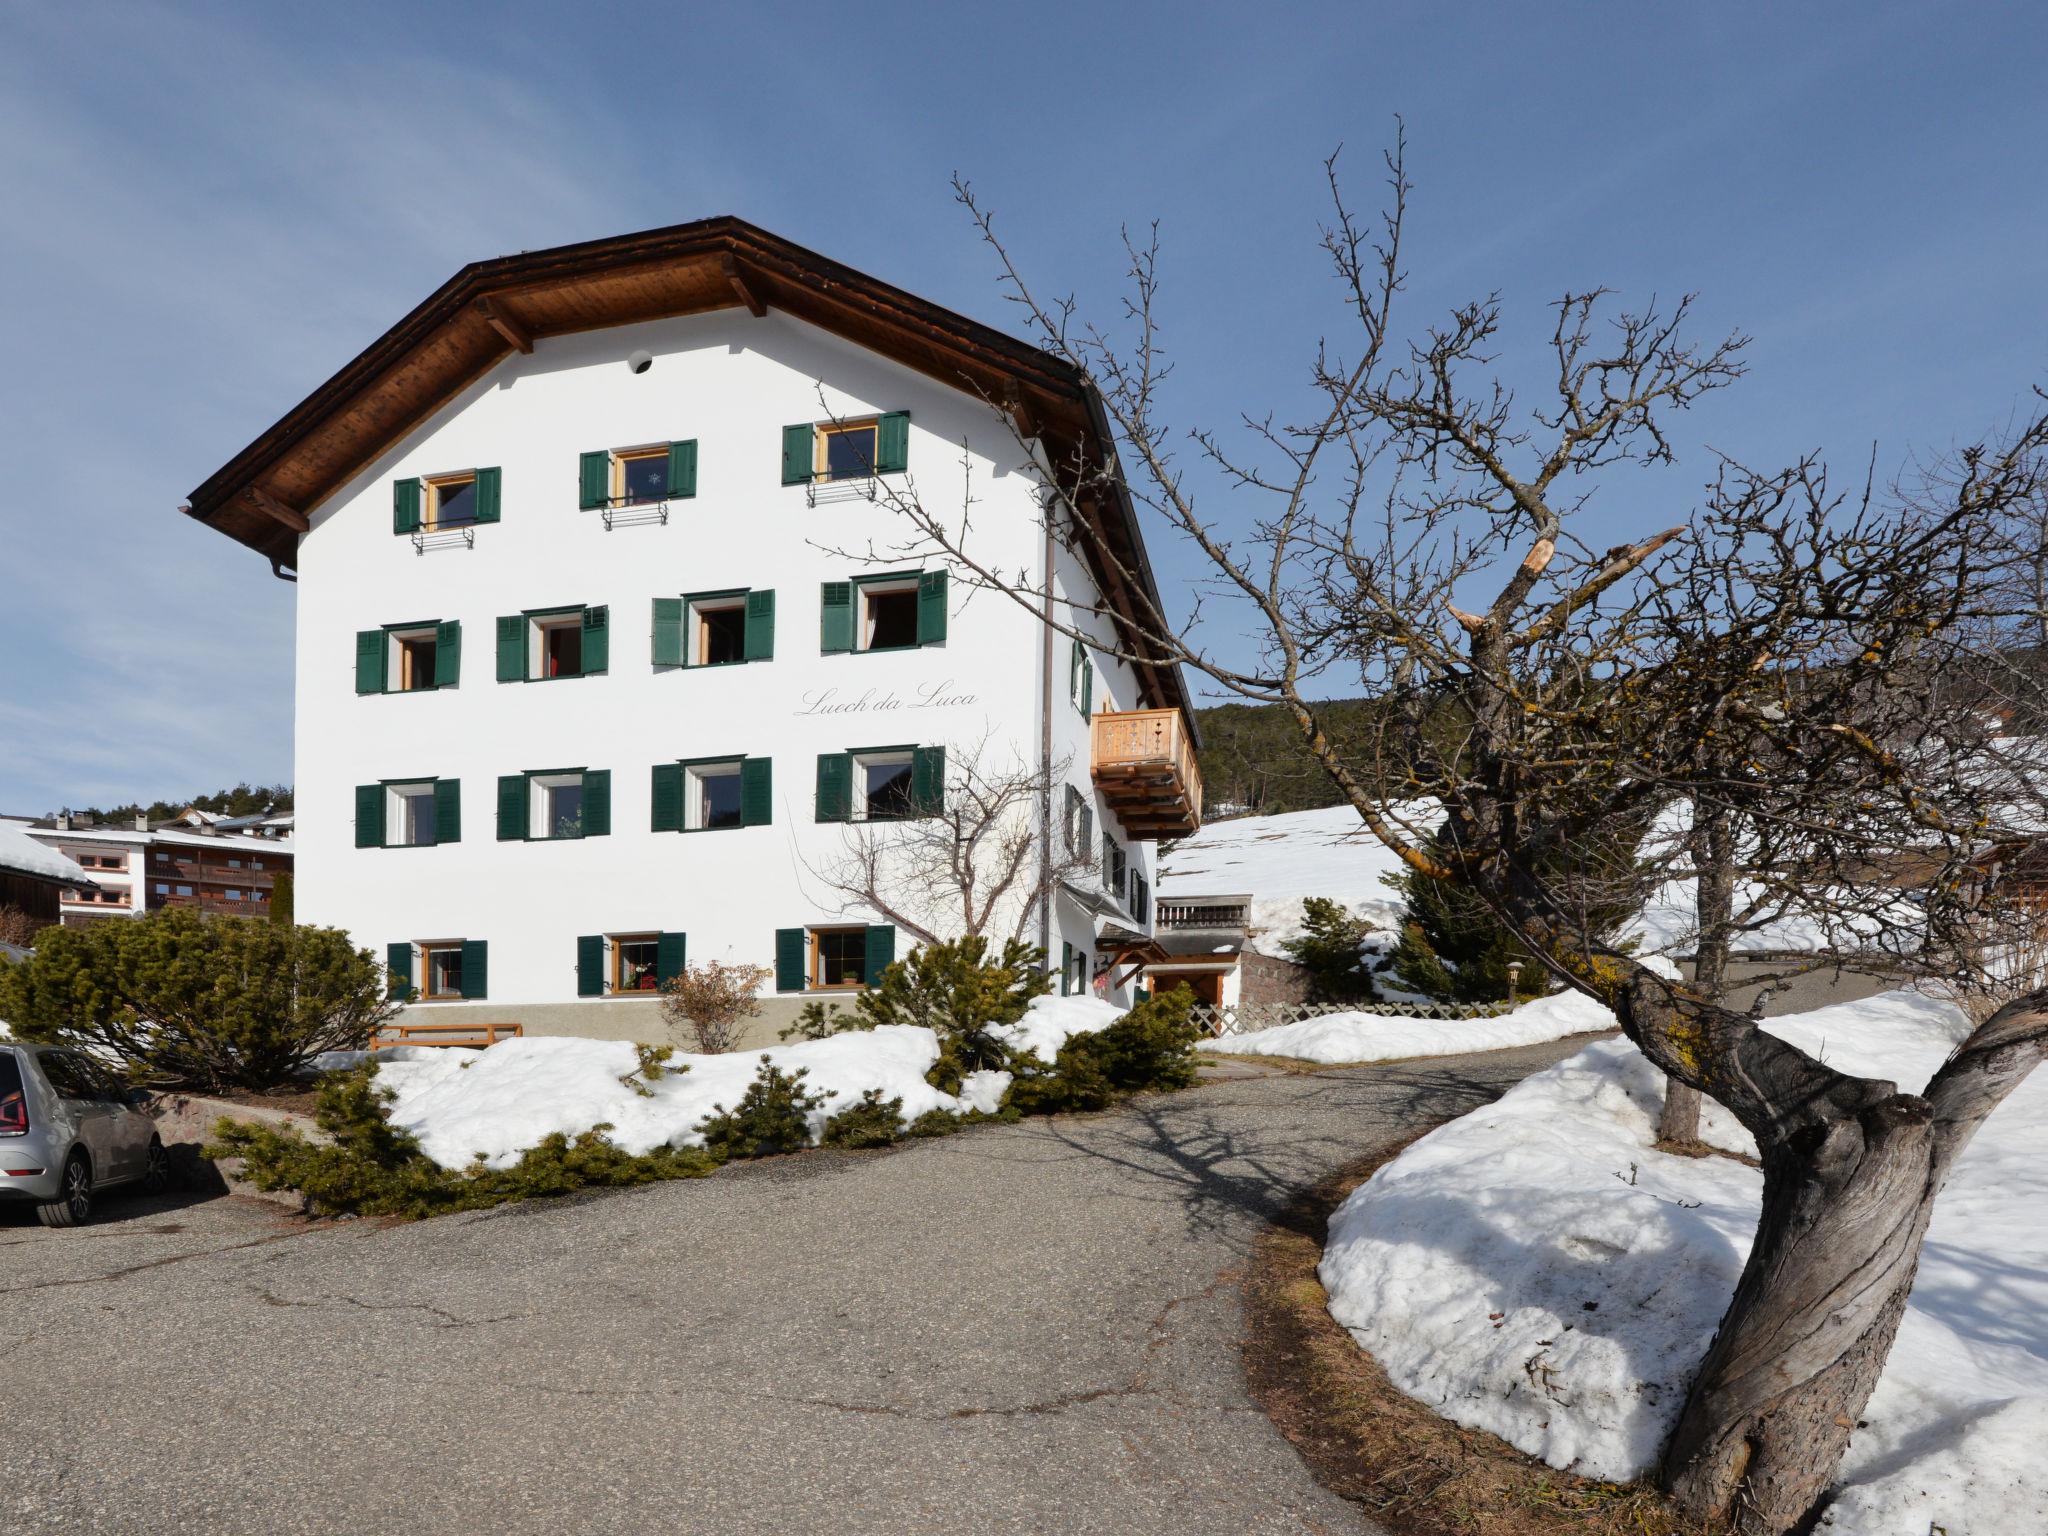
[496, 1103]
[1279, 860]
[1539, 1270]
[1339, 1037]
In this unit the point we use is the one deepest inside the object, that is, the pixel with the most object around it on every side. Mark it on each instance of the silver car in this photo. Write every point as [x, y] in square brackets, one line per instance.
[68, 1129]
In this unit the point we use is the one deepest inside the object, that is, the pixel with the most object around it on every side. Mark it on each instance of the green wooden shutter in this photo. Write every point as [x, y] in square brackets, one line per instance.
[668, 631]
[835, 616]
[590, 965]
[881, 952]
[597, 802]
[512, 648]
[682, 470]
[760, 639]
[594, 480]
[597, 640]
[369, 815]
[371, 667]
[1087, 685]
[835, 786]
[398, 967]
[892, 443]
[405, 506]
[447, 653]
[928, 780]
[796, 454]
[447, 810]
[476, 968]
[931, 607]
[668, 797]
[514, 809]
[789, 959]
[1076, 656]
[489, 494]
[671, 954]
[757, 791]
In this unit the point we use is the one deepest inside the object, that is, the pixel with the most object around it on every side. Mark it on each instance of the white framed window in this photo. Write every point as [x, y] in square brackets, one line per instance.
[712, 796]
[717, 629]
[410, 658]
[887, 617]
[555, 803]
[409, 815]
[882, 785]
[556, 644]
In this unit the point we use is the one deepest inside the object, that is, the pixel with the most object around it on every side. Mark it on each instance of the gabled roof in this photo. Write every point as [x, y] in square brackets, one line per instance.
[261, 496]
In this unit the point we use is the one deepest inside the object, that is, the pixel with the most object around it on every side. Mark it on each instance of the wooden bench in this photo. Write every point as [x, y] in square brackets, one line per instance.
[472, 1035]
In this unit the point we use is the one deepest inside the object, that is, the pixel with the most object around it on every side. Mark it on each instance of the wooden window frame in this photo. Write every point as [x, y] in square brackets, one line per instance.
[614, 944]
[431, 487]
[399, 670]
[814, 958]
[867, 588]
[822, 434]
[695, 606]
[617, 482]
[424, 952]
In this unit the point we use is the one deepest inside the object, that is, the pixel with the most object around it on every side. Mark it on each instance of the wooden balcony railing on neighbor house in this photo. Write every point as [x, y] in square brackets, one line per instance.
[1144, 765]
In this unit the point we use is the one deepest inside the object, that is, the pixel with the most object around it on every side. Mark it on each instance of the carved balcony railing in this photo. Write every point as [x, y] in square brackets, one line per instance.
[1143, 764]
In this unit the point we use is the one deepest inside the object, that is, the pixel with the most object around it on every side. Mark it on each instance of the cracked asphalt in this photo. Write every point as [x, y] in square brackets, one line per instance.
[1019, 1328]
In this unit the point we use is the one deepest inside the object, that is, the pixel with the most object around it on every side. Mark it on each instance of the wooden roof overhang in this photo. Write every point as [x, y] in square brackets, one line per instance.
[489, 309]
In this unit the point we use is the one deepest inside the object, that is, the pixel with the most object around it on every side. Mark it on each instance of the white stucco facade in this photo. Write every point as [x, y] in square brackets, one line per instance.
[730, 382]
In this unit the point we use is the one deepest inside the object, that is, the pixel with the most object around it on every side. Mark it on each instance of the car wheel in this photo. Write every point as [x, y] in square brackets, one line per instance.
[73, 1205]
[156, 1168]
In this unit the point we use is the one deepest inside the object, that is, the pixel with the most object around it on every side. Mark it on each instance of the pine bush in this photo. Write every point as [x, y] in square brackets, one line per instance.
[958, 990]
[870, 1121]
[772, 1116]
[1149, 1049]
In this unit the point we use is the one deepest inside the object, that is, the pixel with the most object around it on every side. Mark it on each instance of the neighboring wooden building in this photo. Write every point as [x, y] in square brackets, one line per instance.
[139, 869]
[33, 878]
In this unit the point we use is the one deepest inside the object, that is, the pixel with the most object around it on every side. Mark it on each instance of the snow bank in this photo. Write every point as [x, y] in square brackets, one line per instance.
[1537, 1269]
[1052, 1020]
[1339, 1037]
[1279, 860]
[495, 1103]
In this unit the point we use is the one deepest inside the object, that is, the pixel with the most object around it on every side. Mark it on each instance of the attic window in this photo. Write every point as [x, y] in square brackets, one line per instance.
[846, 451]
[450, 502]
[641, 476]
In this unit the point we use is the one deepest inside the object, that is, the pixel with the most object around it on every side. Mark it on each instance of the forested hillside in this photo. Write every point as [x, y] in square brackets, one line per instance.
[242, 800]
[1253, 761]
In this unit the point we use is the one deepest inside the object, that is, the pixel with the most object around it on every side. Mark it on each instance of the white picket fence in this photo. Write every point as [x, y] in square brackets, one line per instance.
[1245, 1018]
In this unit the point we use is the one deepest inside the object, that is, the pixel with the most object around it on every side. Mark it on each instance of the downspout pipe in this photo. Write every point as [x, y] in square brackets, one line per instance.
[1045, 854]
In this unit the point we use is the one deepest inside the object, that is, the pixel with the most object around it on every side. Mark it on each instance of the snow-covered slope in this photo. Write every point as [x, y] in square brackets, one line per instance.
[1281, 859]
[1337, 1037]
[1539, 1270]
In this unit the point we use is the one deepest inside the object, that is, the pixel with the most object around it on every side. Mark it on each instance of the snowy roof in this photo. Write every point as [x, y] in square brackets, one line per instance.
[22, 855]
[133, 838]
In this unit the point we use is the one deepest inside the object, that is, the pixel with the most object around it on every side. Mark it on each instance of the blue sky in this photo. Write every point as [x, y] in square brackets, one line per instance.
[206, 209]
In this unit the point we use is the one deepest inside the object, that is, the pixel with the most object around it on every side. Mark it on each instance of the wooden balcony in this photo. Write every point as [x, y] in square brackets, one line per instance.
[1143, 764]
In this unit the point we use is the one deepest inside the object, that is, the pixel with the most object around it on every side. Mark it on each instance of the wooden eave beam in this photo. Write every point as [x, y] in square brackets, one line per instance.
[270, 506]
[504, 323]
[733, 275]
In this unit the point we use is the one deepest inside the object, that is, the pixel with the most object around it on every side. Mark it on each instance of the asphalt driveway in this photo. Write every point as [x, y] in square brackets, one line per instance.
[1021, 1328]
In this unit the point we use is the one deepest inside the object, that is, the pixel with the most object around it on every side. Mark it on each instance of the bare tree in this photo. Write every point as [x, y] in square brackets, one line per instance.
[712, 1001]
[1416, 528]
[976, 865]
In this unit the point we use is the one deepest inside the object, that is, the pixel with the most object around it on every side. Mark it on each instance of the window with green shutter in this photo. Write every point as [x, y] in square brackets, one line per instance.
[1081, 679]
[475, 969]
[668, 632]
[544, 643]
[489, 494]
[398, 970]
[760, 635]
[416, 657]
[682, 470]
[514, 813]
[405, 506]
[594, 480]
[597, 802]
[796, 454]
[590, 965]
[447, 653]
[447, 810]
[835, 786]
[892, 443]
[667, 797]
[597, 640]
[757, 791]
[671, 957]
[369, 815]
[791, 972]
[928, 781]
[881, 952]
[714, 794]
[512, 629]
[370, 663]
[835, 616]
[551, 804]
[931, 608]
